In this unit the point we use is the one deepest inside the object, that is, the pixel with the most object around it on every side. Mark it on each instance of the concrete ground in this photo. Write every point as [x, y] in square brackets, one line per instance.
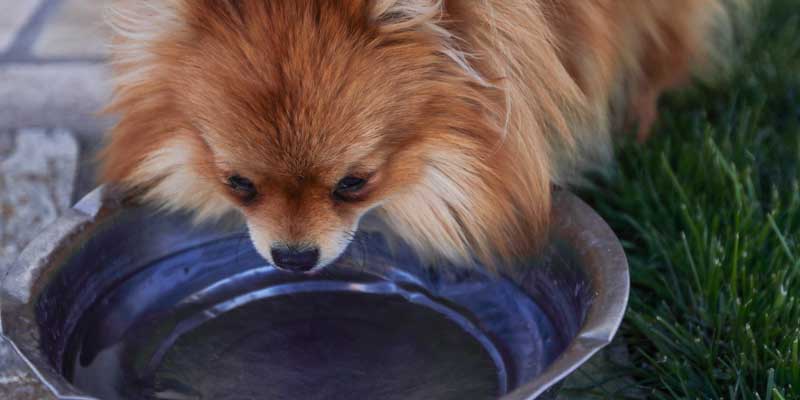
[52, 72]
[51, 64]
[53, 82]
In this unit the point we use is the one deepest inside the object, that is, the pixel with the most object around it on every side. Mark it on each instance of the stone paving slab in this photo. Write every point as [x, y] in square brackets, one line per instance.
[14, 14]
[17, 381]
[76, 30]
[36, 182]
[54, 95]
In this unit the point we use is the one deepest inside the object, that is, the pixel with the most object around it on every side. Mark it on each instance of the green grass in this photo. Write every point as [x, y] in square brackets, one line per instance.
[709, 214]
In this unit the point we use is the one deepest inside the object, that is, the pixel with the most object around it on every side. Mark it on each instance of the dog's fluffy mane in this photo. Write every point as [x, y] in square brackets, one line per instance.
[538, 84]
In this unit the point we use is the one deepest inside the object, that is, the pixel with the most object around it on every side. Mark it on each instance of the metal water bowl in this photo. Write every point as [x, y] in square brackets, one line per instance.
[116, 301]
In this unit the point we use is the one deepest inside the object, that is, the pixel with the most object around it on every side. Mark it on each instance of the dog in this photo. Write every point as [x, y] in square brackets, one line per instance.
[453, 119]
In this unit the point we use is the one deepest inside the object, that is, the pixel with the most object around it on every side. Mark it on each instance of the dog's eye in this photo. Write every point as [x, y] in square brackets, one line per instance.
[348, 188]
[243, 187]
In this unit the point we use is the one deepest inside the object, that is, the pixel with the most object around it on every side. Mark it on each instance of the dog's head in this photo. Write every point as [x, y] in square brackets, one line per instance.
[303, 115]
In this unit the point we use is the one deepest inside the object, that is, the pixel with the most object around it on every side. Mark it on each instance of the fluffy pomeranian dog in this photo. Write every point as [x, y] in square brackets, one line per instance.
[454, 118]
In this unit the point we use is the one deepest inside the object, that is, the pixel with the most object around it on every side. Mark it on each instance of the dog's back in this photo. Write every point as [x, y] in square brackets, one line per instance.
[572, 69]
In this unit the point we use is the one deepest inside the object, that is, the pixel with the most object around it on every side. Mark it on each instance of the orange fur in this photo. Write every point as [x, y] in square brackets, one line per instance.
[464, 113]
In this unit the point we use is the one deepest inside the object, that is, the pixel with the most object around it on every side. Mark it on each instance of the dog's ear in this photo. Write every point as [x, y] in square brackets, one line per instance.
[427, 17]
[394, 15]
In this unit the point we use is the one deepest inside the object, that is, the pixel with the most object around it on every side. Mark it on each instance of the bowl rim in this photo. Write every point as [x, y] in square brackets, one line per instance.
[606, 261]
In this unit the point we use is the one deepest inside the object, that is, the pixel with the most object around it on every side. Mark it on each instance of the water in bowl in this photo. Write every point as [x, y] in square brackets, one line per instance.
[213, 322]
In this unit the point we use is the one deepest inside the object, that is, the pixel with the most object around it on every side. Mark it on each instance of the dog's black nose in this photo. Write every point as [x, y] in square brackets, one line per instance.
[295, 259]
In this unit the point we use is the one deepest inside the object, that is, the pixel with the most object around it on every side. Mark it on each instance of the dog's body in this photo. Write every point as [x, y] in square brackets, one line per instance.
[454, 117]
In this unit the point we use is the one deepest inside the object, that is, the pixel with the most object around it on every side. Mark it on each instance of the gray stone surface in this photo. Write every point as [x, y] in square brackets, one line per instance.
[36, 183]
[17, 381]
[76, 30]
[13, 16]
[54, 95]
